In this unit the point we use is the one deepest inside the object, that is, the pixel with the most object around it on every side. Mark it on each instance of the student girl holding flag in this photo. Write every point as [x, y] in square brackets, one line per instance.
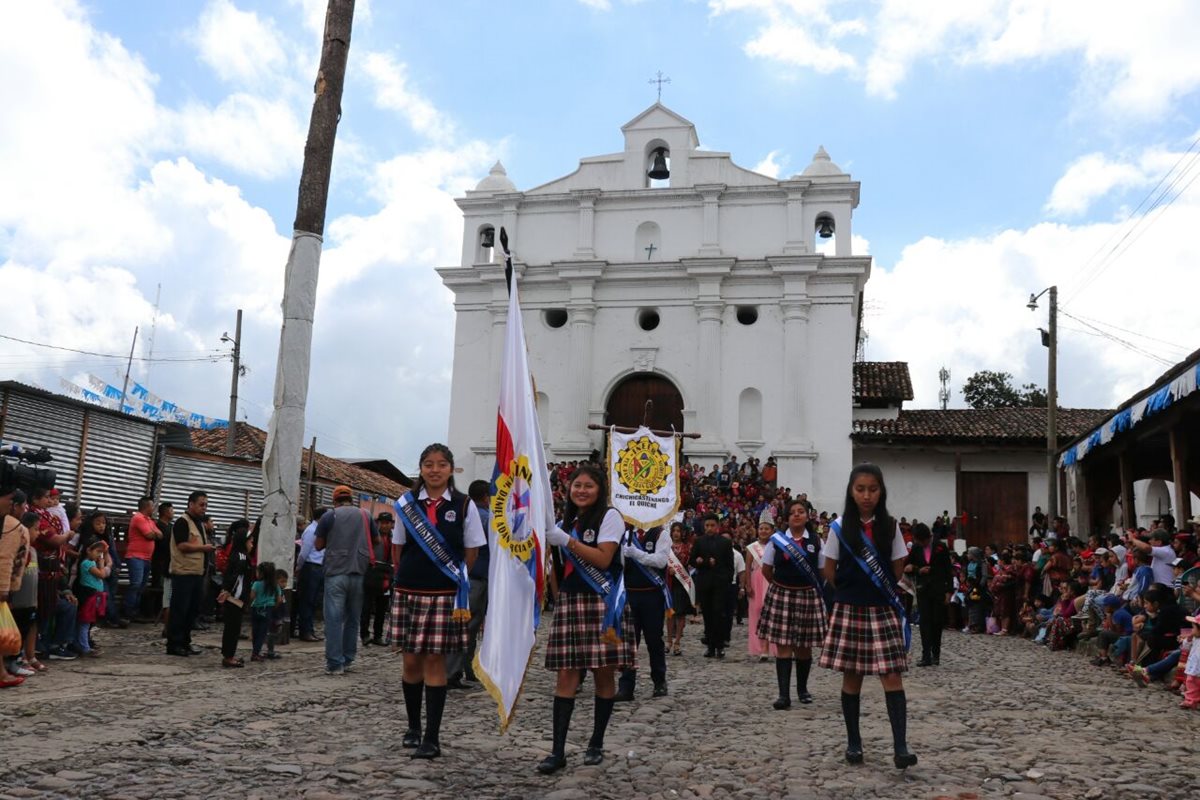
[591, 628]
[439, 536]
[868, 631]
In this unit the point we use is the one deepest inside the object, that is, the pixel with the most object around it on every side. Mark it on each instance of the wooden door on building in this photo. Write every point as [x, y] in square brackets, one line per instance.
[996, 504]
[627, 404]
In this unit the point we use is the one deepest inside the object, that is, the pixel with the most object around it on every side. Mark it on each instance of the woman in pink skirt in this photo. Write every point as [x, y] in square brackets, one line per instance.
[758, 590]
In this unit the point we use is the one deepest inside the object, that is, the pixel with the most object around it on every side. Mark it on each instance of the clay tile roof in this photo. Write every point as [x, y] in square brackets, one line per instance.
[1006, 425]
[882, 380]
[250, 442]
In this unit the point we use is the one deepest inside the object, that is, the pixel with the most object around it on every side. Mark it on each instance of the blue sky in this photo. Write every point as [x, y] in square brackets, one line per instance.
[999, 145]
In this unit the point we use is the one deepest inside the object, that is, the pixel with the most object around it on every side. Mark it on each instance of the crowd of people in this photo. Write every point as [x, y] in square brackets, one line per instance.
[742, 551]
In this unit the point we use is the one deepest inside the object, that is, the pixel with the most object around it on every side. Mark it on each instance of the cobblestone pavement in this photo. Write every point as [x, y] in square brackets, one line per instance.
[999, 718]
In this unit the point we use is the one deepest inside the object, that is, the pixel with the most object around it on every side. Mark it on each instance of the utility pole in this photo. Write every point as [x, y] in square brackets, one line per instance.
[285, 434]
[128, 365]
[1052, 409]
[231, 432]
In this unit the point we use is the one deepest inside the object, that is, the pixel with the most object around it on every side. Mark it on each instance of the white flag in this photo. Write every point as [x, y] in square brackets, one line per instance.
[522, 511]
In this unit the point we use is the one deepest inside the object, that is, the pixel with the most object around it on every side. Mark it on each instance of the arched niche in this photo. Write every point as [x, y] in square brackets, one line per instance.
[647, 242]
[750, 415]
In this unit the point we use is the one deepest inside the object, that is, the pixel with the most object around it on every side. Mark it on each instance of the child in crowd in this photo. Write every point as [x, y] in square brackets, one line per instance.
[94, 570]
[1043, 612]
[265, 597]
[1061, 633]
[1191, 680]
[279, 620]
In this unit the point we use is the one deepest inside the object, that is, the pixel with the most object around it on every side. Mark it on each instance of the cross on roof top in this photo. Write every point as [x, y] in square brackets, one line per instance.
[660, 80]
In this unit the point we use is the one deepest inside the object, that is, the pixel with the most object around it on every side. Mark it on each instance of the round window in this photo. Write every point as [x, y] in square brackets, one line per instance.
[747, 315]
[555, 317]
[648, 319]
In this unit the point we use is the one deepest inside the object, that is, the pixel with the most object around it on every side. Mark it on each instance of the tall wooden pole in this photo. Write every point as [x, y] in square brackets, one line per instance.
[1052, 412]
[231, 432]
[285, 435]
[128, 367]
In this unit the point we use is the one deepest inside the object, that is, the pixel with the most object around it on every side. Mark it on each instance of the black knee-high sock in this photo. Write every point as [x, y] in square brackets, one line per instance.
[563, 708]
[897, 708]
[604, 708]
[803, 668]
[850, 706]
[783, 674]
[412, 703]
[435, 703]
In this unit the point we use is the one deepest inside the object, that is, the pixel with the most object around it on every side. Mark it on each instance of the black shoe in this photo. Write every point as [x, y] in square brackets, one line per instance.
[456, 683]
[366, 642]
[904, 759]
[925, 662]
[782, 704]
[551, 764]
[377, 641]
[623, 696]
[804, 697]
[412, 738]
[720, 652]
[937, 661]
[593, 756]
[426, 750]
[194, 650]
[854, 756]
[178, 651]
[709, 653]
[660, 690]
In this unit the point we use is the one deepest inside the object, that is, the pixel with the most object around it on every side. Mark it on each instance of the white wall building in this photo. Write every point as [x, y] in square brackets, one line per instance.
[716, 292]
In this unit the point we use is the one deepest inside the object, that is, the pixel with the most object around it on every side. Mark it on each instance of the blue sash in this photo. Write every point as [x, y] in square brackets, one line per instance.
[653, 575]
[788, 545]
[601, 582]
[431, 541]
[868, 560]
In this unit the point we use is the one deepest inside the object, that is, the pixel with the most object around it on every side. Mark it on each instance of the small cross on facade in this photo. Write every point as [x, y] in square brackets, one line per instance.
[659, 80]
[650, 251]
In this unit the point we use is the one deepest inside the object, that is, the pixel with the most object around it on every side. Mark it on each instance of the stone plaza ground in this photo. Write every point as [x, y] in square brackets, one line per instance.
[999, 718]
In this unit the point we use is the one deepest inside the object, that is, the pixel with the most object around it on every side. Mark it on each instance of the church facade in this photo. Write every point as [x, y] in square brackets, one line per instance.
[668, 273]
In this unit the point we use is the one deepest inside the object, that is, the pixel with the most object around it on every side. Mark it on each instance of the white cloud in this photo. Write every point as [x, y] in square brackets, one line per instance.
[961, 304]
[771, 165]
[1096, 175]
[1133, 66]
[599, 5]
[239, 45]
[390, 81]
[252, 134]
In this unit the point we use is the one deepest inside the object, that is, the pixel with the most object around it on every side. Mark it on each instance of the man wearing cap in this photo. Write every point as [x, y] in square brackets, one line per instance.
[348, 537]
[1161, 553]
[377, 583]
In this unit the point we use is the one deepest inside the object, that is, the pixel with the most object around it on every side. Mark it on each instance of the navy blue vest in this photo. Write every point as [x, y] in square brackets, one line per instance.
[635, 580]
[786, 571]
[416, 571]
[574, 583]
[852, 586]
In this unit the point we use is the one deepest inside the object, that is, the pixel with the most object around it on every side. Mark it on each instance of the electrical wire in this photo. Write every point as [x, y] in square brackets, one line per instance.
[1122, 342]
[1139, 334]
[210, 356]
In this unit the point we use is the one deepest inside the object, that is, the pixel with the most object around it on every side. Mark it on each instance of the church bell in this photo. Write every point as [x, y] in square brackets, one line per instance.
[659, 171]
[489, 238]
[825, 231]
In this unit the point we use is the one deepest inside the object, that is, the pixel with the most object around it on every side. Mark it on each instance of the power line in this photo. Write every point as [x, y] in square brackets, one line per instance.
[1183, 348]
[214, 355]
[1122, 342]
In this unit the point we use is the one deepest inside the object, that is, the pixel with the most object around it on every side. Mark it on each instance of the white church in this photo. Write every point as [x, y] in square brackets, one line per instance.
[668, 272]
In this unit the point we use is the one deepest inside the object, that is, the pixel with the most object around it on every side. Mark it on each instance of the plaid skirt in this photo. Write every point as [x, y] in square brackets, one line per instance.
[575, 633]
[792, 617]
[868, 640]
[424, 623]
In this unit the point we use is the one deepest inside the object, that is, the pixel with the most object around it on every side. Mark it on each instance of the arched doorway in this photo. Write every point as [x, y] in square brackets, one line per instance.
[627, 404]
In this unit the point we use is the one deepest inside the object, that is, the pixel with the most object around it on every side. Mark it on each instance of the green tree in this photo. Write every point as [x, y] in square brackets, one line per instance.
[989, 389]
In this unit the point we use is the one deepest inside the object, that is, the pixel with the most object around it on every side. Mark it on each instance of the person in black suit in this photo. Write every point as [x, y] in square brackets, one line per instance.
[712, 556]
[930, 569]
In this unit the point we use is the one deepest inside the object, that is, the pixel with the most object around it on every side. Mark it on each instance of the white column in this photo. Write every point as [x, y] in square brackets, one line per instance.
[708, 362]
[795, 243]
[585, 246]
[710, 242]
[583, 319]
[499, 319]
[795, 361]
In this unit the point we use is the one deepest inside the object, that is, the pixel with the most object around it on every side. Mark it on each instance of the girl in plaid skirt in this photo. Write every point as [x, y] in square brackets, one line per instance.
[793, 612]
[866, 634]
[423, 626]
[577, 632]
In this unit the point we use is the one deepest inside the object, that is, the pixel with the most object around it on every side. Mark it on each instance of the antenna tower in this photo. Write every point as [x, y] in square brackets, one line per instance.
[153, 328]
[944, 392]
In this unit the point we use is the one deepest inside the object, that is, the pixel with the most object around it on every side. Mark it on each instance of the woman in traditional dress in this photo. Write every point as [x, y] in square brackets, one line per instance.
[679, 580]
[591, 629]
[757, 592]
[864, 559]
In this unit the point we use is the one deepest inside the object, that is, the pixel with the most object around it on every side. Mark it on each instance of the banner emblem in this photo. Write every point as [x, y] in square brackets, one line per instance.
[642, 467]
[643, 477]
